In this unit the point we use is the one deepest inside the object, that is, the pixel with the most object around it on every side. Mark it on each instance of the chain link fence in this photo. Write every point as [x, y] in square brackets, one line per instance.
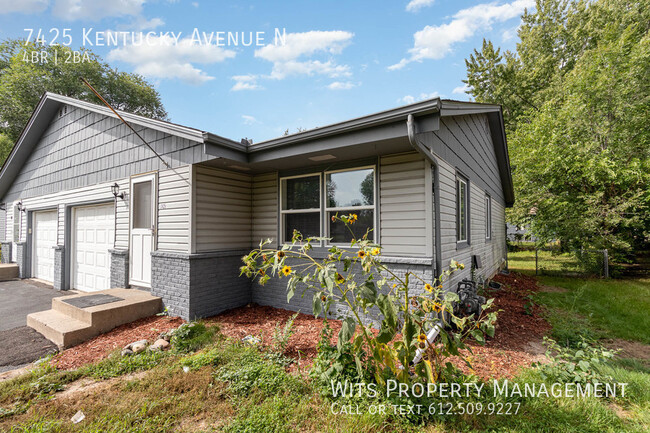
[584, 262]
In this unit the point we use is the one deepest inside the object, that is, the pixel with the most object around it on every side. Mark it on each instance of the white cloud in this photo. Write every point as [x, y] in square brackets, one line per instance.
[95, 10]
[23, 6]
[416, 5]
[341, 85]
[435, 42]
[409, 99]
[461, 90]
[294, 56]
[249, 120]
[163, 58]
[245, 82]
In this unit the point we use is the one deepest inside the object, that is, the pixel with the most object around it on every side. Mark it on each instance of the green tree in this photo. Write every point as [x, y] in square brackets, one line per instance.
[576, 96]
[24, 78]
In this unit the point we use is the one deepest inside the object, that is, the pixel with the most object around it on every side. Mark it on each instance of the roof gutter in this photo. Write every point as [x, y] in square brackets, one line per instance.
[411, 127]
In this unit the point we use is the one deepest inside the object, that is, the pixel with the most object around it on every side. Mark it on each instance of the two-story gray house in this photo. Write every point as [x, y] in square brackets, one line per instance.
[88, 206]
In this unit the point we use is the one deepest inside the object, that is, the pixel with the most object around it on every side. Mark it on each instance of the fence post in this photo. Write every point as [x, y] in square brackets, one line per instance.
[536, 261]
[606, 263]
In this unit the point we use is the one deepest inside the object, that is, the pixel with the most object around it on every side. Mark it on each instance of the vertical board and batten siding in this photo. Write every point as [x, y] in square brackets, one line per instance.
[174, 190]
[81, 148]
[223, 209]
[405, 213]
[265, 209]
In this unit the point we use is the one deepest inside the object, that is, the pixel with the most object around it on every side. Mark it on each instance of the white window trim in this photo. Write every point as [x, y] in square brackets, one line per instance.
[464, 182]
[372, 207]
[295, 211]
[488, 217]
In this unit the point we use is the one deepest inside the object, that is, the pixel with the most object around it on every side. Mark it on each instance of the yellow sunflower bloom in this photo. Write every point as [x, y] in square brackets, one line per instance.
[428, 288]
[353, 218]
[437, 307]
[286, 271]
[361, 254]
[422, 338]
[280, 254]
[375, 251]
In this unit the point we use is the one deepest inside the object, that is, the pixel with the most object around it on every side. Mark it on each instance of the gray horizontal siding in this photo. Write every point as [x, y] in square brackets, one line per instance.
[465, 143]
[223, 209]
[174, 210]
[265, 208]
[82, 148]
[403, 198]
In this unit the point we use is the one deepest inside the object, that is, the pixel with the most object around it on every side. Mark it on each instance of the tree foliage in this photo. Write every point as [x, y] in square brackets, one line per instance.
[25, 74]
[576, 98]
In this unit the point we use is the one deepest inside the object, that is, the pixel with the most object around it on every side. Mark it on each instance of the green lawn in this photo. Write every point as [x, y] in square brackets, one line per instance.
[231, 387]
[524, 261]
[613, 308]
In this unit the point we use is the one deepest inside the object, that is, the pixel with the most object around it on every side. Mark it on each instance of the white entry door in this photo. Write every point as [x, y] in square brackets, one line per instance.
[43, 241]
[92, 236]
[143, 217]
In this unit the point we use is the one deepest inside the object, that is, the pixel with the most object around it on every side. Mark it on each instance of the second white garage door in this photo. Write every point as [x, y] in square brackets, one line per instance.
[44, 240]
[92, 237]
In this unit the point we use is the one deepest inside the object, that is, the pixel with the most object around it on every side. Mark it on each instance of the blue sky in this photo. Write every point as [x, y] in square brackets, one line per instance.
[339, 59]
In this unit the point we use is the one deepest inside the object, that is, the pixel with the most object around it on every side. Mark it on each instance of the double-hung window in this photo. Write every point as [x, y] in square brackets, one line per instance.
[350, 192]
[308, 203]
[462, 211]
[488, 217]
[301, 206]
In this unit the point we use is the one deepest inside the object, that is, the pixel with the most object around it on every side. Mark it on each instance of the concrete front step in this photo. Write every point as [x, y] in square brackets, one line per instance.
[8, 271]
[67, 325]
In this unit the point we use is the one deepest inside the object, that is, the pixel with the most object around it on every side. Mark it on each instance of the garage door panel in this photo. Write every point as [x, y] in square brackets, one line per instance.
[44, 240]
[95, 226]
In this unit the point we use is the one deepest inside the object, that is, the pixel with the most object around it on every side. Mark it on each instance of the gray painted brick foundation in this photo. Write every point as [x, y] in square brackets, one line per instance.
[274, 292]
[199, 285]
[59, 267]
[21, 260]
[119, 268]
[5, 252]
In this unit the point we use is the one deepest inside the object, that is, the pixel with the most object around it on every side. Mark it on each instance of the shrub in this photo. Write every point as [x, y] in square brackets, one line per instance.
[579, 365]
[190, 337]
[356, 279]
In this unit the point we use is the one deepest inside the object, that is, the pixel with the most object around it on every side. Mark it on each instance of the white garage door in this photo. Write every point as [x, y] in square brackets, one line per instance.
[93, 231]
[44, 239]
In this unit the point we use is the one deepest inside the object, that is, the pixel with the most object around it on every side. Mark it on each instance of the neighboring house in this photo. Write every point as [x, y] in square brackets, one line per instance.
[431, 178]
[516, 233]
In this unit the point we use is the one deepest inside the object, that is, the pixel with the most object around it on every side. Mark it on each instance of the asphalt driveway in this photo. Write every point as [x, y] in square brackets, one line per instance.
[20, 345]
[20, 297]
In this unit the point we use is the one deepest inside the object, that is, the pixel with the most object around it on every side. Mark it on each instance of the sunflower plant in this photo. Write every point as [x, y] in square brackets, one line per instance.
[384, 317]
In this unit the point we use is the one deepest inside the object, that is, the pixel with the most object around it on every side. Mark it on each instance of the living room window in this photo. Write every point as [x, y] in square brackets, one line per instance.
[348, 191]
[301, 206]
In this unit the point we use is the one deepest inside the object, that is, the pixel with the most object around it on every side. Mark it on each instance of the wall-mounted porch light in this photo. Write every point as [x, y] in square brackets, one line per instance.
[115, 189]
[20, 206]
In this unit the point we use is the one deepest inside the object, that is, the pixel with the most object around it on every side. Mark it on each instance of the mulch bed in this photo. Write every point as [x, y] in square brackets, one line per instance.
[517, 342]
[100, 347]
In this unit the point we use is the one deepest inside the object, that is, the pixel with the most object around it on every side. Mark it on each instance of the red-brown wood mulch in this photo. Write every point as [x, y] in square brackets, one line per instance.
[101, 346]
[517, 342]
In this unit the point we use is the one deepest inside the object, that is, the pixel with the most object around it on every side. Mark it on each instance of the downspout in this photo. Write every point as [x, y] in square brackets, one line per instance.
[424, 151]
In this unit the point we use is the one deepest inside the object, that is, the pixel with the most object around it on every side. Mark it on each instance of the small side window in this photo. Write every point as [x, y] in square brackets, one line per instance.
[488, 217]
[462, 219]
